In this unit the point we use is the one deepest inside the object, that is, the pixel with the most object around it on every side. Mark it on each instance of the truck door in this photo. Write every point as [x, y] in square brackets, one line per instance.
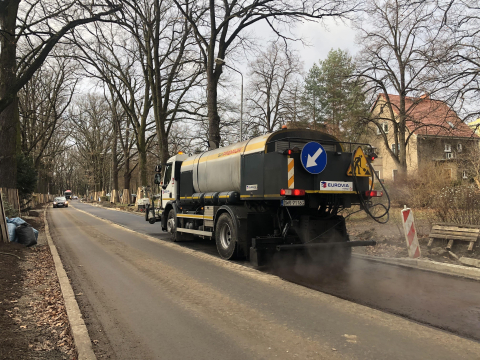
[169, 184]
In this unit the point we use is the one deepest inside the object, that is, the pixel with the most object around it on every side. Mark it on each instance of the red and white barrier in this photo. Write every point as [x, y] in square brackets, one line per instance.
[410, 234]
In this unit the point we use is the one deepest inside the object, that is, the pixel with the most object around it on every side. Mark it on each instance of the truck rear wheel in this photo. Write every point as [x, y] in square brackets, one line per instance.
[226, 237]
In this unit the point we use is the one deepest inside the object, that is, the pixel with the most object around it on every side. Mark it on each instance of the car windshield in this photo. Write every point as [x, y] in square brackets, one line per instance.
[60, 199]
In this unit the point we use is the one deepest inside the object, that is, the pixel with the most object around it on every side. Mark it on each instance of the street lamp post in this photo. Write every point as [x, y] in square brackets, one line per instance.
[219, 61]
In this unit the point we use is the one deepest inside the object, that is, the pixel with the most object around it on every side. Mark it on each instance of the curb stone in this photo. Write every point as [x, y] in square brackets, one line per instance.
[427, 265]
[81, 338]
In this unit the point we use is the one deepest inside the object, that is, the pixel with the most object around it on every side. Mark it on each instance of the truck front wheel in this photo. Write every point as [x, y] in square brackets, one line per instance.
[172, 226]
[226, 237]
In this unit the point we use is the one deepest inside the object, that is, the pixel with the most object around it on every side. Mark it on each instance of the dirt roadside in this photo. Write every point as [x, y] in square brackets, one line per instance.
[391, 243]
[33, 320]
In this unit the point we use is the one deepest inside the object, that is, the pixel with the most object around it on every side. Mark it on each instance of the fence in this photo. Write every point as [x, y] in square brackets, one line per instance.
[11, 196]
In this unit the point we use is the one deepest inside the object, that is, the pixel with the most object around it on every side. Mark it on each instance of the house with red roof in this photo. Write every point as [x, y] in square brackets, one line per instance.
[434, 135]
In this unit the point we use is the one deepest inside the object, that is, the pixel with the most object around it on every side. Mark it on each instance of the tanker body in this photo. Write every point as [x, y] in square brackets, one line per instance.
[277, 192]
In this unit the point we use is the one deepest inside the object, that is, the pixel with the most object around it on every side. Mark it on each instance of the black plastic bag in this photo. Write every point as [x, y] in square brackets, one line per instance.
[25, 235]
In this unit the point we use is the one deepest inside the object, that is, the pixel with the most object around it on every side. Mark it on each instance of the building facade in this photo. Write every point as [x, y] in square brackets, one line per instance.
[436, 137]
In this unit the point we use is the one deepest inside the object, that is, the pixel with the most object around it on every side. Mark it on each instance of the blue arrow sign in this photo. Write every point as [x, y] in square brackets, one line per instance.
[314, 158]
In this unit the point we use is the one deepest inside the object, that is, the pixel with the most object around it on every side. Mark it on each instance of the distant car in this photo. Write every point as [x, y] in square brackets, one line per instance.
[75, 197]
[60, 202]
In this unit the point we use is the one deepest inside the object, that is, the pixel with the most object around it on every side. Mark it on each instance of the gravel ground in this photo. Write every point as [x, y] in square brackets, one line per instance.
[33, 320]
[391, 238]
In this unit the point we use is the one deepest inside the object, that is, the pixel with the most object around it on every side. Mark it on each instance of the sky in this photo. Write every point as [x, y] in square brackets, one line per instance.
[318, 39]
[322, 39]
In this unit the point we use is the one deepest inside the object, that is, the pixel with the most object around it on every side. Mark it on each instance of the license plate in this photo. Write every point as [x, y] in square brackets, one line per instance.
[293, 202]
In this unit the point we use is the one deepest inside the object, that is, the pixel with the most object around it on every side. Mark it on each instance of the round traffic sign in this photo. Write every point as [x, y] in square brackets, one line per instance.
[314, 158]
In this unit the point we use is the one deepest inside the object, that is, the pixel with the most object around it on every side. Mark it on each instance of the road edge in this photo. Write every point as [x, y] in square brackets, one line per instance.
[80, 334]
[107, 208]
[427, 265]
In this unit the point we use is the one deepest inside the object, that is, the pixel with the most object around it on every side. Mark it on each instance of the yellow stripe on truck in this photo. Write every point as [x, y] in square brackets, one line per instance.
[291, 173]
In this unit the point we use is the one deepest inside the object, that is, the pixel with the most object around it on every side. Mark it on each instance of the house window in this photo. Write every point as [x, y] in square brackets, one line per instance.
[377, 172]
[464, 174]
[459, 147]
[448, 155]
[394, 175]
[448, 148]
[384, 127]
[393, 148]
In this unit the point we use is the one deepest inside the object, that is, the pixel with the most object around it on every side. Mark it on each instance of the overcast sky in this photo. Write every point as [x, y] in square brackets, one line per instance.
[322, 39]
[319, 39]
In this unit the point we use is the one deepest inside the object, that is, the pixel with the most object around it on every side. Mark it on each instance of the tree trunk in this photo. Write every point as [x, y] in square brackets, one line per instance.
[9, 120]
[114, 156]
[142, 159]
[212, 106]
[127, 176]
[402, 127]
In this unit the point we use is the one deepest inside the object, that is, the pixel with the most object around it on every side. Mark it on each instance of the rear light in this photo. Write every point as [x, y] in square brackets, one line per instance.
[371, 156]
[291, 151]
[373, 193]
[292, 192]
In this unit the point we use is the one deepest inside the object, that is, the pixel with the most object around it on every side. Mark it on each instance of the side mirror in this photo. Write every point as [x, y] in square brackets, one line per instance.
[164, 186]
[158, 178]
[158, 168]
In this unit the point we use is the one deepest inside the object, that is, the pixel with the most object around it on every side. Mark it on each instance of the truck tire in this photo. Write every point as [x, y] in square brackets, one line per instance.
[147, 209]
[226, 237]
[172, 226]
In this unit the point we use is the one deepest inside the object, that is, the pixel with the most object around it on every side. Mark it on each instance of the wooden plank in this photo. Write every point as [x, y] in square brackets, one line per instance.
[459, 238]
[451, 233]
[455, 228]
[458, 225]
[450, 244]
[454, 233]
[470, 246]
[430, 242]
[3, 222]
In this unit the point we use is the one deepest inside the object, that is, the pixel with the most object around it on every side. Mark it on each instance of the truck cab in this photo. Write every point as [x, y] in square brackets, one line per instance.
[170, 182]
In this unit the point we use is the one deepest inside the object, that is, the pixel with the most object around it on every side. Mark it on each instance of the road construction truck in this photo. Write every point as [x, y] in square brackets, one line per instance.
[283, 191]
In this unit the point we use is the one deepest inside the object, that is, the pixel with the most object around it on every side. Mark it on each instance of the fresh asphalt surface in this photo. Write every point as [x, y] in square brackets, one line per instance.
[145, 299]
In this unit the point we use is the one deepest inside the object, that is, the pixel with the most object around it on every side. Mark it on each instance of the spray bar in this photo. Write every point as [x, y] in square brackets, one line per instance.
[345, 244]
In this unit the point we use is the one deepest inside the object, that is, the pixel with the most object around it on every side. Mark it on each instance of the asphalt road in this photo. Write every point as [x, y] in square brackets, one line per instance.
[150, 299]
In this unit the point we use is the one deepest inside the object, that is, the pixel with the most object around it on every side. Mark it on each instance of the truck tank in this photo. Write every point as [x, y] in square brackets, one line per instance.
[220, 169]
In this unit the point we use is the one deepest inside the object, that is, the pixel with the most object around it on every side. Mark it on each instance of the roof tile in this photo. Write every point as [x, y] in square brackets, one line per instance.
[431, 117]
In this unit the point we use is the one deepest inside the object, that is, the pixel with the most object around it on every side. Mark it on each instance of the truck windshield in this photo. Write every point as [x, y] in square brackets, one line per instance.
[168, 174]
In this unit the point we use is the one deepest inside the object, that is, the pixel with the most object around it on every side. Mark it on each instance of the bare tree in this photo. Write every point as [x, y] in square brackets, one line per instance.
[43, 101]
[41, 24]
[401, 50]
[90, 120]
[461, 71]
[219, 27]
[172, 64]
[116, 60]
[272, 75]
